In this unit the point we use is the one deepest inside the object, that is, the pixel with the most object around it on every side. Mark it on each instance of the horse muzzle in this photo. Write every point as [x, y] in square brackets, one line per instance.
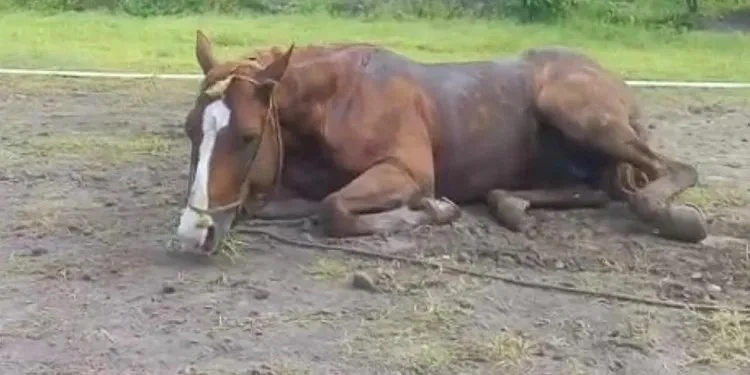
[202, 234]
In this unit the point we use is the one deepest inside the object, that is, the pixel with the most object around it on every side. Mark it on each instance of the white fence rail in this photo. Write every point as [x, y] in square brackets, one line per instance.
[119, 75]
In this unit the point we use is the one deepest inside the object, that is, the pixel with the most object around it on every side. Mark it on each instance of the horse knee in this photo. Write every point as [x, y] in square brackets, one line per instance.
[335, 219]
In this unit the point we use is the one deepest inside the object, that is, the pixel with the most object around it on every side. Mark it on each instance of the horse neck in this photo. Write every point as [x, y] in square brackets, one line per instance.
[302, 93]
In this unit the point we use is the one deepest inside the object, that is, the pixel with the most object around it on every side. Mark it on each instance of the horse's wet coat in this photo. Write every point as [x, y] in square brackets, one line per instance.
[367, 132]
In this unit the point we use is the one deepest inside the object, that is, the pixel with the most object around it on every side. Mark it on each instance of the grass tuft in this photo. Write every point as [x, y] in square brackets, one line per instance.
[723, 338]
[102, 148]
[326, 268]
[716, 197]
[426, 337]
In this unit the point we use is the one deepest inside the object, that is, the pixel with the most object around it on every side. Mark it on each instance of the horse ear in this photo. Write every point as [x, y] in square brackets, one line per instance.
[203, 52]
[275, 70]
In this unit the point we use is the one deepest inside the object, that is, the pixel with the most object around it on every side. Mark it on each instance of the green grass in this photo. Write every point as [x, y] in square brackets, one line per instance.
[165, 44]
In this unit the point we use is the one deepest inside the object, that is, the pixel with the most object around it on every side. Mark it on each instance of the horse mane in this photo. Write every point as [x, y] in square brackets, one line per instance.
[259, 58]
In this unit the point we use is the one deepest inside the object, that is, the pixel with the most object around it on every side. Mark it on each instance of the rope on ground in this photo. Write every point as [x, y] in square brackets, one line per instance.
[506, 279]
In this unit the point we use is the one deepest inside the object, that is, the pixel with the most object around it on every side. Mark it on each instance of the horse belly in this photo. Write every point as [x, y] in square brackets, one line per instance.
[470, 170]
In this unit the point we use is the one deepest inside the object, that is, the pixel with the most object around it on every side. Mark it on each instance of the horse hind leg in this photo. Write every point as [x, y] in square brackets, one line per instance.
[586, 113]
[667, 178]
[509, 207]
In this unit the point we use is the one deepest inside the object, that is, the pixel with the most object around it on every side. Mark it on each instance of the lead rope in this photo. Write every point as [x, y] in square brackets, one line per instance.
[513, 280]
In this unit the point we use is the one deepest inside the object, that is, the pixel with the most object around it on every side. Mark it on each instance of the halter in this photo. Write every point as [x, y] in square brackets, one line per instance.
[272, 120]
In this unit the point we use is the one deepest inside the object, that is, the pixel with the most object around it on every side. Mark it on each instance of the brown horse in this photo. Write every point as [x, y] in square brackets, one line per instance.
[369, 139]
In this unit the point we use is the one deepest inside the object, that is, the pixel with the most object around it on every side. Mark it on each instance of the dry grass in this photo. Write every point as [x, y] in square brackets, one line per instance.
[504, 350]
[716, 197]
[94, 147]
[222, 366]
[231, 247]
[35, 326]
[424, 335]
[328, 268]
[722, 338]
[49, 215]
[100, 147]
[42, 215]
[637, 334]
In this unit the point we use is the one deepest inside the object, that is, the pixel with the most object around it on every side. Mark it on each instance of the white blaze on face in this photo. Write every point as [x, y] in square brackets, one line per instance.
[191, 231]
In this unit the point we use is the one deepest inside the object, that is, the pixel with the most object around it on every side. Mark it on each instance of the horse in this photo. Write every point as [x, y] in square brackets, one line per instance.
[374, 142]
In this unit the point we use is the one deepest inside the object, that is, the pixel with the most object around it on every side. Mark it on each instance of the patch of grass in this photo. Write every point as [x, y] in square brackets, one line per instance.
[714, 198]
[15, 265]
[418, 336]
[35, 327]
[231, 246]
[505, 350]
[142, 91]
[424, 336]
[637, 334]
[574, 367]
[326, 268]
[722, 338]
[89, 40]
[44, 216]
[48, 215]
[99, 147]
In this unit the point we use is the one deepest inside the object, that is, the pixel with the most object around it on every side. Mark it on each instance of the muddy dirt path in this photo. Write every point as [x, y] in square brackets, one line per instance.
[92, 176]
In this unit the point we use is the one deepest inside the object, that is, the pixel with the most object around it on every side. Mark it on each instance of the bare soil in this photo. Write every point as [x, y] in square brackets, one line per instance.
[92, 178]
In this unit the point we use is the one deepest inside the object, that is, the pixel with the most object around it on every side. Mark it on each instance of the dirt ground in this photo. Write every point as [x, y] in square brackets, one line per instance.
[92, 178]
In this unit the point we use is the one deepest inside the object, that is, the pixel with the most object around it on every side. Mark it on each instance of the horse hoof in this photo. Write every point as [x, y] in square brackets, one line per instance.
[508, 210]
[443, 210]
[685, 223]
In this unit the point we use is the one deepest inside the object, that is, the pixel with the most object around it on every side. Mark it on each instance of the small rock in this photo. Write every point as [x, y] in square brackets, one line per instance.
[616, 365]
[86, 277]
[464, 257]
[361, 280]
[696, 276]
[559, 264]
[493, 254]
[465, 304]
[39, 251]
[713, 288]
[261, 294]
[590, 362]
[168, 289]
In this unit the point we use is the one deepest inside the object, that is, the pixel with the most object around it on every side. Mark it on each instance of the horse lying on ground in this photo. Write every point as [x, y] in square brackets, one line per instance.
[375, 142]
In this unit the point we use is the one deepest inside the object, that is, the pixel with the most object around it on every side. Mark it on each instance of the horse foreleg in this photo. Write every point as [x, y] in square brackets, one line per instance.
[509, 207]
[391, 192]
[291, 208]
[284, 205]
